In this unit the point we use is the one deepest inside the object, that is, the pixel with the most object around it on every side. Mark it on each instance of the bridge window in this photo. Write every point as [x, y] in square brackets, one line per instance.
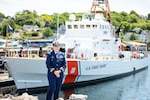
[82, 26]
[75, 26]
[69, 26]
[99, 0]
[94, 26]
[106, 27]
[88, 26]
[102, 26]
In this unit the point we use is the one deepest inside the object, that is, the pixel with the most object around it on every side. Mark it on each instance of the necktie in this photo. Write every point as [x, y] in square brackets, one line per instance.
[57, 55]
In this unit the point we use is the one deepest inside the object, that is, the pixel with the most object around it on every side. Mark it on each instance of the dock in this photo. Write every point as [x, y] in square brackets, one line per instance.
[5, 80]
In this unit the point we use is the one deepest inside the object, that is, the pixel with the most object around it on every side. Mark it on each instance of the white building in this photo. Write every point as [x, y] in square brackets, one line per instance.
[30, 28]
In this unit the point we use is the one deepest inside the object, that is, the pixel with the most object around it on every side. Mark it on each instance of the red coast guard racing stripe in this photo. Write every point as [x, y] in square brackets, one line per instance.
[72, 72]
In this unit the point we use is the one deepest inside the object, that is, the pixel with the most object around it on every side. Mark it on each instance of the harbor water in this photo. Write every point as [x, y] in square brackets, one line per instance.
[133, 87]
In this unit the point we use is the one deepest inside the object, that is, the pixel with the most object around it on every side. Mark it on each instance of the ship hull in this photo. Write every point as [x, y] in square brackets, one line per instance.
[32, 73]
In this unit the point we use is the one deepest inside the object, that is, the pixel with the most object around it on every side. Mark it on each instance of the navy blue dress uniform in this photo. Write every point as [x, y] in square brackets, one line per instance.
[55, 62]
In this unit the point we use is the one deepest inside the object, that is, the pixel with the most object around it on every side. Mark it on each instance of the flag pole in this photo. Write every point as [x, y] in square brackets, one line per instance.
[57, 26]
[6, 51]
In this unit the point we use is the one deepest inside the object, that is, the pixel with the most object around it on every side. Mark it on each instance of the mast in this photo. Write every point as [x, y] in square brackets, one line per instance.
[57, 26]
[101, 6]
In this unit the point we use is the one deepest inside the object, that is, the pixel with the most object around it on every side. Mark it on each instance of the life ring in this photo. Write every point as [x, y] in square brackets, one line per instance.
[134, 54]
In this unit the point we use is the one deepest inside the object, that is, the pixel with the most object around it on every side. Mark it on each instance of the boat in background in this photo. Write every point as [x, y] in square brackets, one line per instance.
[93, 53]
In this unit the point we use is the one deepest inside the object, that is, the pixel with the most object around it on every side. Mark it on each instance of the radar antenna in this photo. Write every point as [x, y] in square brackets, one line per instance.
[101, 6]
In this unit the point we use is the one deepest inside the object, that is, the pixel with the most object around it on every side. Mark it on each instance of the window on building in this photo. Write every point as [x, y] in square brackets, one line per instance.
[103, 27]
[100, 26]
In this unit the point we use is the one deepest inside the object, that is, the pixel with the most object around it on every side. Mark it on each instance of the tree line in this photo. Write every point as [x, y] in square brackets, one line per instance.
[48, 23]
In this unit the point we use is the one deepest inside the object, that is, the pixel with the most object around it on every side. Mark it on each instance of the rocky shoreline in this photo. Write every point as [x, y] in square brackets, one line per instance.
[26, 96]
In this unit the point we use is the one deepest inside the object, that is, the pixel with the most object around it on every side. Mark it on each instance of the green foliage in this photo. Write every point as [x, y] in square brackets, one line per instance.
[148, 40]
[116, 19]
[148, 16]
[1, 28]
[35, 38]
[46, 18]
[18, 27]
[2, 15]
[29, 22]
[134, 13]
[132, 37]
[126, 26]
[35, 34]
[26, 17]
[78, 16]
[128, 21]
[124, 14]
[27, 34]
[4, 25]
[139, 41]
[47, 32]
[133, 18]
[148, 25]
[23, 36]
[31, 34]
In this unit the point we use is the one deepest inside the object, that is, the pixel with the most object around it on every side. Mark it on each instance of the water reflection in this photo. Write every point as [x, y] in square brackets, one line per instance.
[128, 88]
[68, 92]
[140, 89]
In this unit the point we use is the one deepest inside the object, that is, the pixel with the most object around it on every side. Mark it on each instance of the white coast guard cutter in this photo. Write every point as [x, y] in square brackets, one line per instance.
[92, 53]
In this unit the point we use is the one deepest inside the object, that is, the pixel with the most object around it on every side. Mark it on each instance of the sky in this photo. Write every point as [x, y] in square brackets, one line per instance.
[10, 7]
